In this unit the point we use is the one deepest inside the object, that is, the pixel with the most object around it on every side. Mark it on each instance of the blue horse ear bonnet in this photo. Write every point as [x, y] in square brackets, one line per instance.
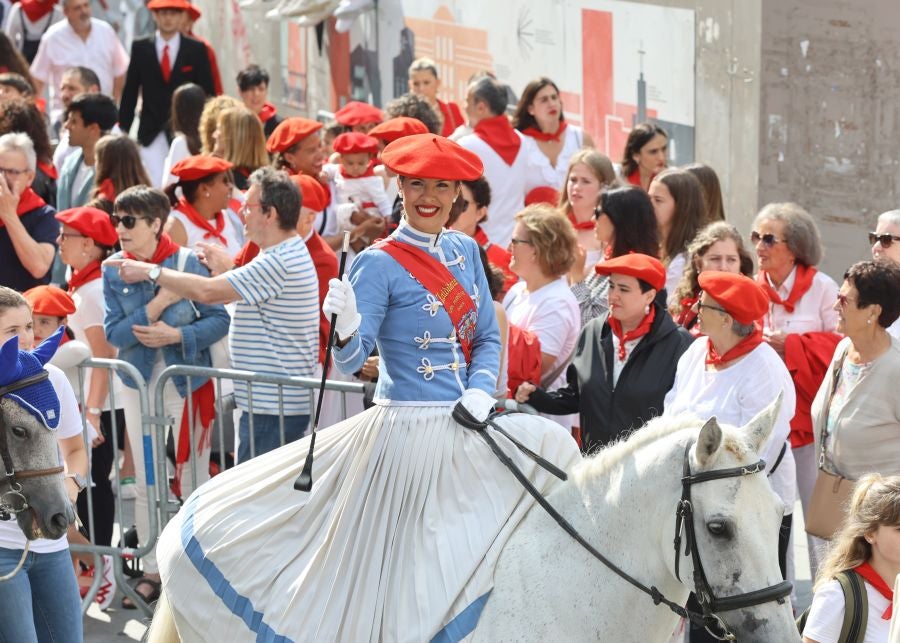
[39, 399]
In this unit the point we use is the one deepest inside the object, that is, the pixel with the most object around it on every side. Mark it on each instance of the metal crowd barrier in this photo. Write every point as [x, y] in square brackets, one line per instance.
[157, 466]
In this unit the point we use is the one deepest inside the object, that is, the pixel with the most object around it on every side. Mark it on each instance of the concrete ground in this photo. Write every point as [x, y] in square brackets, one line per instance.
[118, 624]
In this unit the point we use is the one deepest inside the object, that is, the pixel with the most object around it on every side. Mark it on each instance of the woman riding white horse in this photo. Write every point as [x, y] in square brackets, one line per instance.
[409, 510]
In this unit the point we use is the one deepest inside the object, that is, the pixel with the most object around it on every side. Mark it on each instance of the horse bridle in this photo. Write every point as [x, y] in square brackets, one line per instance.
[14, 501]
[710, 604]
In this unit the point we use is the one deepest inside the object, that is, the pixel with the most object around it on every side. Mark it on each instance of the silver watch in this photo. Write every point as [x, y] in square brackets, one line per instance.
[154, 273]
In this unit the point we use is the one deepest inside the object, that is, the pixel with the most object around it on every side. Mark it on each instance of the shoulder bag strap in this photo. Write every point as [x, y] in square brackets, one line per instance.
[856, 607]
[180, 263]
[835, 377]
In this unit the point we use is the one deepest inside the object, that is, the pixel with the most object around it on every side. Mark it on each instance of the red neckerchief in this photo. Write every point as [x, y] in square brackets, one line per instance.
[165, 248]
[688, 316]
[87, 274]
[802, 282]
[481, 238]
[500, 136]
[872, 578]
[36, 9]
[204, 224]
[580, 225]
[540, 135]
[370, 171]
[642, 329]
[107, 190]
[246, 255]
[635, 178]
[267, 112]
[48, 169]
[440, 282]
[450, 120]
[203, 401]
[27, 202]
[740, 349]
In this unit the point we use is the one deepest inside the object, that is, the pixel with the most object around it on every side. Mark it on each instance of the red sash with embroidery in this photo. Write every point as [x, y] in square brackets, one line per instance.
[441, 283]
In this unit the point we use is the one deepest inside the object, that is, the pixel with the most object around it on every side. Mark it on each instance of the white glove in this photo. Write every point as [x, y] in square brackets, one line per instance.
[478, 403]
[341, 301]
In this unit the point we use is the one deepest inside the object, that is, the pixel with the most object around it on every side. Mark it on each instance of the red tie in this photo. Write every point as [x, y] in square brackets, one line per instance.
[165, 65]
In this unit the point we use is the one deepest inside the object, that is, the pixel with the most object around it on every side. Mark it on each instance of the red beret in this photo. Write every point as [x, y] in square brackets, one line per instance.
[429, 156]
[543, 194]
[193, 11]
[197, 167]
[398, 127]
[355, 143]
[93, 223]
[315, 195]
[634, 264]
[740, 296]
[177, 5]
[289, 132]
[50, 300]
[357, 113]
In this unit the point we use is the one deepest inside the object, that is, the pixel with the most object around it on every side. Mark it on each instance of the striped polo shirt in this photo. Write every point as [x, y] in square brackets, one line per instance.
[276, 324]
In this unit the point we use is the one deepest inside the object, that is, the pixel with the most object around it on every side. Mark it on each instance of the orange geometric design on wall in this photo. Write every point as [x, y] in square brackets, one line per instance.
[458, 51]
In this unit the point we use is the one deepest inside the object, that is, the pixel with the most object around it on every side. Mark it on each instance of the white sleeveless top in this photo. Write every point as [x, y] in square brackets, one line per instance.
[233, 233]
[555, 177]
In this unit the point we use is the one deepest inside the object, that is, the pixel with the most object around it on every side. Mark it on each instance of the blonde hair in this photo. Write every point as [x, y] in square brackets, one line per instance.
[875, 502]
[600, 166]
[552, 237]
[209, 119]
[243, 139]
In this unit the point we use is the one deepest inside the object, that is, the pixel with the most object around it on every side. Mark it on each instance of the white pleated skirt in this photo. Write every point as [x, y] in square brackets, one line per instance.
[397, 541]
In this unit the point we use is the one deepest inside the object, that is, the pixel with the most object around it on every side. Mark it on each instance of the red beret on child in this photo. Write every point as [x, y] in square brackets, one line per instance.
[398, 127]
[194, 168]
[740, 296]
[91, 222]
[543, 194]
[315, 195]
[357, 113]
[355, 143]
[634, 264]
[429, 156]
[289, 132]
[50, 300]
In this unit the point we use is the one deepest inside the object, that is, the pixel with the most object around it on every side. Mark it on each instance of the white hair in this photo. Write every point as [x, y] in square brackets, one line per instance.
[19, 142]
[891, 217]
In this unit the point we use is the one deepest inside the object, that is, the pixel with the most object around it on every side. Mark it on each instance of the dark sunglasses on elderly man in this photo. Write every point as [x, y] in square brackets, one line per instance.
[884, 239]
[768, 239]
[127, 220]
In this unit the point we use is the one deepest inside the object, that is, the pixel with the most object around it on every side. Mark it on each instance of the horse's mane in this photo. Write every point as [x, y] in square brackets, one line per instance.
[656, 429]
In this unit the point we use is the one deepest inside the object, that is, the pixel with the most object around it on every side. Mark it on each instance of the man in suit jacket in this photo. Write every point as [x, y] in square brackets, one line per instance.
[158, 66]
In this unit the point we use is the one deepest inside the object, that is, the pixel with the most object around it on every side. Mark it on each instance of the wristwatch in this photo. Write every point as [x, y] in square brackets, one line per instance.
[153, 274]
[79, 480]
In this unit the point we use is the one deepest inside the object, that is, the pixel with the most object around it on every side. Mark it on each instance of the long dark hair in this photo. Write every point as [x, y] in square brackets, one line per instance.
[187, 107]
[631, 213]
[521, 119]
[13, 59]
[21, 115]
[689, 210]
[638, 138]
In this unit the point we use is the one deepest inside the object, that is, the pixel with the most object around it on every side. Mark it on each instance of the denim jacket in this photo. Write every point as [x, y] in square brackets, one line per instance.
[125, 306]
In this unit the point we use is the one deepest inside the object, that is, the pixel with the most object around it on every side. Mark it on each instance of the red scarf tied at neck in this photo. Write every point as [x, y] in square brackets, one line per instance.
[204, 224]
[875, 580]
[803, 279]
[34, 10]
[740, 349]
[542, 136]
[164, 249]
[27, 202]
[370, 171]
[580, 225]
[500, 136]
[642, 329]
[85, 275]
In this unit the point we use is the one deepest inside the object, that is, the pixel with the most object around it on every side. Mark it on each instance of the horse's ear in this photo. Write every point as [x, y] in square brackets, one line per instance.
[759, 428]
[709, 441]
[9, 354]
[47, 348]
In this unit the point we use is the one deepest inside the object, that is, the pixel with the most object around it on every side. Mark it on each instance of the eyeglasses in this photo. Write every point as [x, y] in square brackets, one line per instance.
[8, 171]
[246, 207]
[516, 242]
[721, 310]
[767, 239]
[70, 235]
[127, 220]
[884, 239]
[843, 299]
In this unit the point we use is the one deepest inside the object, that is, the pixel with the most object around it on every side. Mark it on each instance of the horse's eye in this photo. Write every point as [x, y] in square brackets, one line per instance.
[19, 432]
[718, 528]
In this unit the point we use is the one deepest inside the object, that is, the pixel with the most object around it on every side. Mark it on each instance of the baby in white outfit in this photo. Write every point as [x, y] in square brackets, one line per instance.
[355, 185]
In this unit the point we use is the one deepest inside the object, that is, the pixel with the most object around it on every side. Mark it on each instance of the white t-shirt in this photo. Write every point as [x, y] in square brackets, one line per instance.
[234, 236]
[827, 615]
[813, 313]
[894, 329]
[178, 151]
[88, 313]
[674, 272]
[735, 395]
[11, 537]
[555, 176]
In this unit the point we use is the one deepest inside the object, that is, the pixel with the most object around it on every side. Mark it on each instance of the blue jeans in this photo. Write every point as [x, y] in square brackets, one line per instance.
[40, 603]
[266, 434]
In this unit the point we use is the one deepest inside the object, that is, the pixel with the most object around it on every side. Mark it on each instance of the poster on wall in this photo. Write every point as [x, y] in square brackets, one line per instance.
[616, 63]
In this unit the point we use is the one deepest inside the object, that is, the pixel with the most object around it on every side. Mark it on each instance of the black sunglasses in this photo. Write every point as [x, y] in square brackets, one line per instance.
[884, 239]
[127, 220]
[767, 239]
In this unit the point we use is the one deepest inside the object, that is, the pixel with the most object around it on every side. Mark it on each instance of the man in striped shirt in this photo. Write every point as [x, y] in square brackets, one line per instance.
[275, 328]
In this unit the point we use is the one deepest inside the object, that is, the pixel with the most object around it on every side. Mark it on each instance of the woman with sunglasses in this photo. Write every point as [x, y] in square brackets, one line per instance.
[153, 329]
[719, 376]
[885, 242]
[800, 321]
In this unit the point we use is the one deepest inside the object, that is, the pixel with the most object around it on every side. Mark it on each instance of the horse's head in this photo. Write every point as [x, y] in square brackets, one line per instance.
[736, 522]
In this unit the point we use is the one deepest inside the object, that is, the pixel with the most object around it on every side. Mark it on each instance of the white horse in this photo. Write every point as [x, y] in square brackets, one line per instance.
[623, 502]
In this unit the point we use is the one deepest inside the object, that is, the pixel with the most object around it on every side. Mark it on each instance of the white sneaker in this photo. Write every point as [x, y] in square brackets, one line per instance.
[126, 489]
[107, 590]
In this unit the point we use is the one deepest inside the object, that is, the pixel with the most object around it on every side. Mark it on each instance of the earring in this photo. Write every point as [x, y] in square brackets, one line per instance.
[869, 321]
[206, 194]
[647, 309]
